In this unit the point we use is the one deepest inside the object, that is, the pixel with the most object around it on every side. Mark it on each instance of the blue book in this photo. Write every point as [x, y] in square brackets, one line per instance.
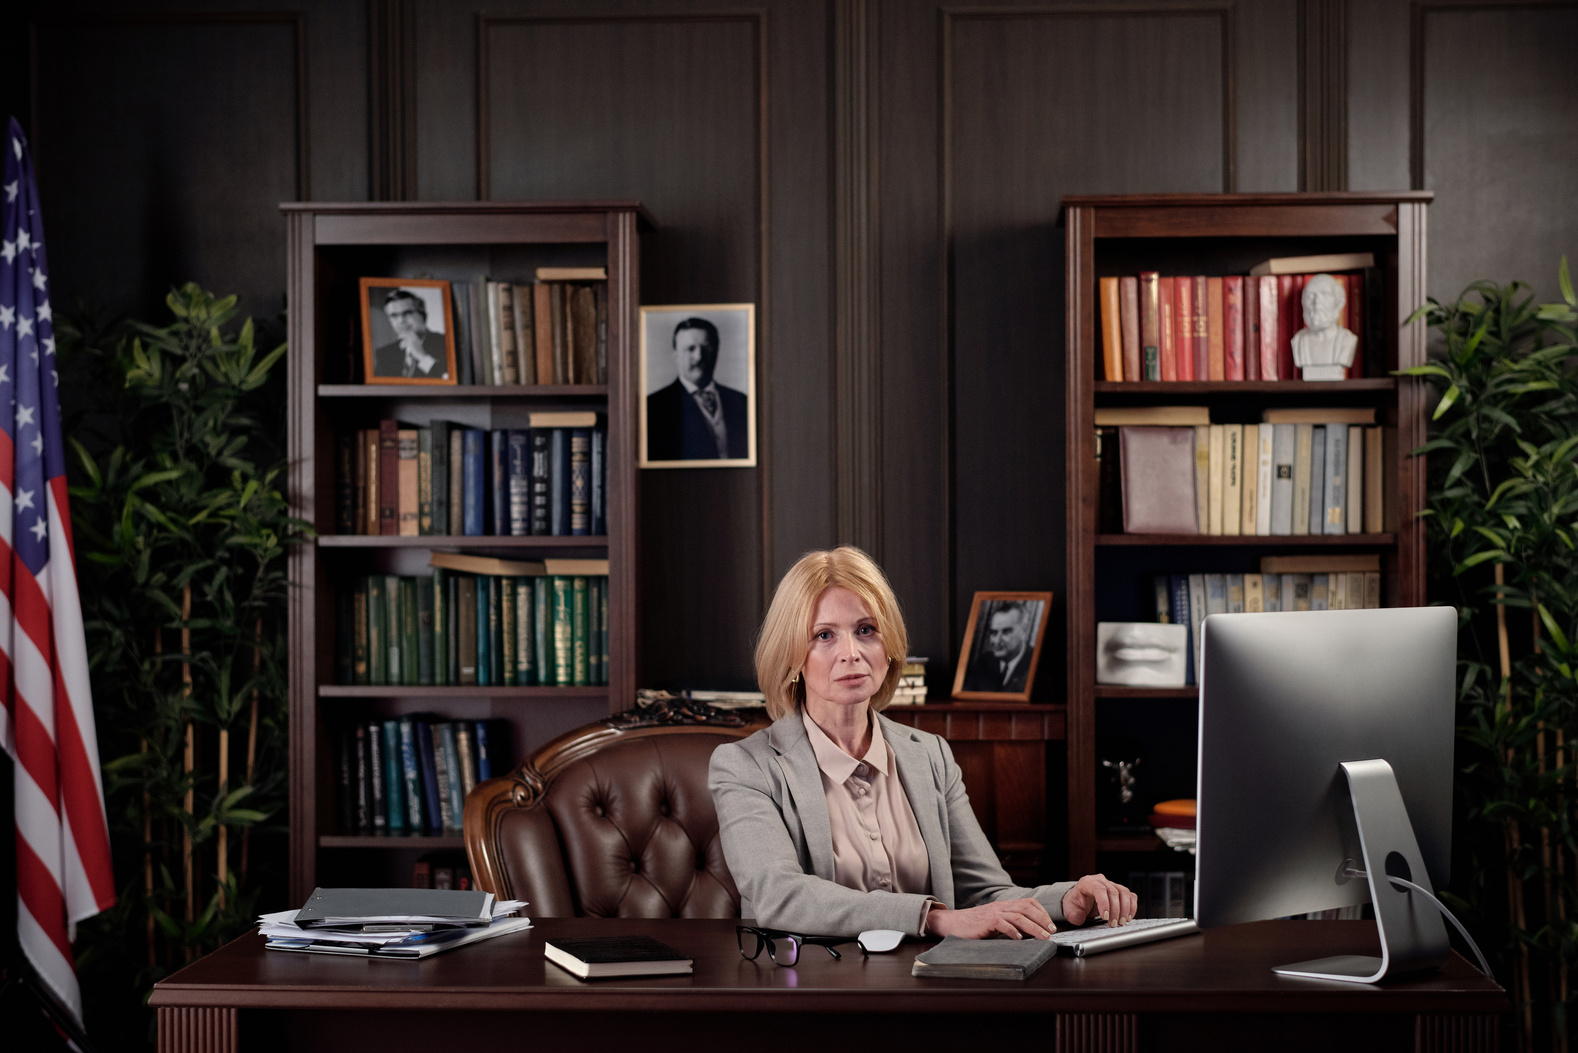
[473, 491]
[456, 787]
[599, 481]
[431, 811]
[541, 481]
[520, 483]
[411, 775]
[394, 783]
[499, 483]
[484, 757]
[484, 637]
[559, 481]
[580, 481]
[1318, 481]
[439, 473]
[1180, 616]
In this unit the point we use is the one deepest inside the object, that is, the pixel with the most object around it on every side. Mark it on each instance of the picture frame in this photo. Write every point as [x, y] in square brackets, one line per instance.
[675, 428]
[1002, 646]
[398, 312]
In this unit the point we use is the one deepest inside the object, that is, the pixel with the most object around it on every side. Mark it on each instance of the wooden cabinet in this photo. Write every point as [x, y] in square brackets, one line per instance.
[330, 247]
[1109, 573]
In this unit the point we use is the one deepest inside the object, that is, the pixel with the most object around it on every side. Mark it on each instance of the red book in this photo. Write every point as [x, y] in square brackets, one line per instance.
[1183, 325]
[1150, 326]
[1233, 332]
[1356, 322]
[1129, 313]
[1290, 319]
[1215, 320]
[1166, 288]
[1270, 327]
[1251, 296]
[389, 477]
[1201, 338]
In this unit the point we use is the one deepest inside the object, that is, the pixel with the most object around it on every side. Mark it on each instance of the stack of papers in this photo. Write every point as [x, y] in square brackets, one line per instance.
[390, 923]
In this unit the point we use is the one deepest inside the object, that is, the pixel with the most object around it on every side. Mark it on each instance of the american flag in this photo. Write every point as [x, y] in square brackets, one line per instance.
[63, 870]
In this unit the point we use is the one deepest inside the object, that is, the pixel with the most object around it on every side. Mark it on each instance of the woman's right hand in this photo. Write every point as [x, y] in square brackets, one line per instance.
[1013, 918]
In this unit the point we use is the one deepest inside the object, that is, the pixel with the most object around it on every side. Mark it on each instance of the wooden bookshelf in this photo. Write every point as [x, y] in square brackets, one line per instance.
[1215, 234]
[331, 246]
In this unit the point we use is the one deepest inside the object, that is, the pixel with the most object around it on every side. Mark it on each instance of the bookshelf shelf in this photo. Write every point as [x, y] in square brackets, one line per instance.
[1252, 541]
[466, 691]
[330, 248]
[1110, 575]
[456, 391]
[1115, 691]
[426, 842]
[466, 541]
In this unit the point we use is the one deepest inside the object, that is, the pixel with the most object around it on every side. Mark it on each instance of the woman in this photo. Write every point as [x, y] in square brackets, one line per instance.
[835, 819]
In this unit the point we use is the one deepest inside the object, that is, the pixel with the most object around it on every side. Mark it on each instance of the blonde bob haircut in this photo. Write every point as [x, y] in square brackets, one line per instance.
[785, 639]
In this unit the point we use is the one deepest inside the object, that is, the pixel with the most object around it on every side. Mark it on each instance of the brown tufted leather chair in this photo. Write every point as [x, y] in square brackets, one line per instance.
[611, 820]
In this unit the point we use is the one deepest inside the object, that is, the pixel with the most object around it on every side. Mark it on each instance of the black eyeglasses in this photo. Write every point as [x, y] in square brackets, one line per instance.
[784, 947]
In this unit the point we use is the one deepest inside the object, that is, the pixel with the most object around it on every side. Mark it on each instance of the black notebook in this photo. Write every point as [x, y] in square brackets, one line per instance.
[958, 958]
[595, 957]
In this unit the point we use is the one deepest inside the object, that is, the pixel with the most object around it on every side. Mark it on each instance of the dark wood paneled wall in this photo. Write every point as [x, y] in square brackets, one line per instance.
[880, 176]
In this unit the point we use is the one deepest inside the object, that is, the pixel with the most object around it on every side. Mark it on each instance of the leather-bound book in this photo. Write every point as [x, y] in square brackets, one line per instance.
[1183, 325]
[1150, 326]
[1202, 342]
[1129, 314]
[1158, 480]
[1166, 290]
[1233, 327]
[1111, 331]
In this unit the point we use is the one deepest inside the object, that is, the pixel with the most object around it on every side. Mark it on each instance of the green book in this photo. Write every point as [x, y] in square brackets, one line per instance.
[484, 585]
[424, 480]
[507, 630]
[440, 477]
[525, 641]
[563, 631]
[407, 630]
[495, 630]
[377, 631]
[392, 629]
[411, 774]
[452, 620]
[466, 634]
[440, 591]
[580, 632]
[359, 628]
[424, 631]
[456, 788]
[394, 779]
[542, 629]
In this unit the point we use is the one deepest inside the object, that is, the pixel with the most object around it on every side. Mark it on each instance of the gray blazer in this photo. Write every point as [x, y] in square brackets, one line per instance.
[772, 819]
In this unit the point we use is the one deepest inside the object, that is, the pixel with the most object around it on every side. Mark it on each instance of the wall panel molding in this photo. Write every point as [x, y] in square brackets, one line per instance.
[1323, 94]
[391, 90]
[857, 393]
[297, 20]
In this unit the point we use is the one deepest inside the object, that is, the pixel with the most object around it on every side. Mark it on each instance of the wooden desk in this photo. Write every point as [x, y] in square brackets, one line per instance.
[1212, 991]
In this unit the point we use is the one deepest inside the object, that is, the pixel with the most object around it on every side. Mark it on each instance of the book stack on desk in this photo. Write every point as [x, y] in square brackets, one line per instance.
[390, 922]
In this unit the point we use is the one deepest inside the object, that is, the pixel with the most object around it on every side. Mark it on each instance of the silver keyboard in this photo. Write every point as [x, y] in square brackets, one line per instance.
[1099, 938]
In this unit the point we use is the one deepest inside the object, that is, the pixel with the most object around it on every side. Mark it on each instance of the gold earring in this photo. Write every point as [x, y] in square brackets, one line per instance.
[793, 680]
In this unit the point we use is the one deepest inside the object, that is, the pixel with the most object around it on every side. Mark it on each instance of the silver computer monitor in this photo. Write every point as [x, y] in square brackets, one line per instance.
[1286, 700]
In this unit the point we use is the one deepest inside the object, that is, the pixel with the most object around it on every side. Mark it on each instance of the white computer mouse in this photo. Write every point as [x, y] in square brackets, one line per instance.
[878, 941]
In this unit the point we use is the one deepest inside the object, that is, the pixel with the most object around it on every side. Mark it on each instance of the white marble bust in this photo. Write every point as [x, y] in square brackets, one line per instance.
[1323, 349]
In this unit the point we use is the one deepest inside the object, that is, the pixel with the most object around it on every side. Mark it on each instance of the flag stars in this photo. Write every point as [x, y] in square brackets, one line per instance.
[38, 444]
[24, 327]
[49, 345]
[24, 500]
[45, 312]
[11, 188]
[8, 250]
[5, 375]
[7, 317]
[38, 528]
[24, 239]
[24, 416]
[39, 278]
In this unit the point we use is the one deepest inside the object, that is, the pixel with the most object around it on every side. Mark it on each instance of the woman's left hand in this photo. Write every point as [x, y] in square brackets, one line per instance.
[1094, 896]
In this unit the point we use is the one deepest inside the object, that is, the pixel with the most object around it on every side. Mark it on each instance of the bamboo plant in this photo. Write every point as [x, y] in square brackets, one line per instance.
[181, 528]
[1503, 523]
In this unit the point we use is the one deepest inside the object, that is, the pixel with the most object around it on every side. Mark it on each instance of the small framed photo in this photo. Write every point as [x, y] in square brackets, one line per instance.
[408, 331]
[698, 379]
[1002, 645]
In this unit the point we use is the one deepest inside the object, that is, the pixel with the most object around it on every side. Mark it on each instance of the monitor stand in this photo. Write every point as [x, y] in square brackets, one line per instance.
[1412, 935]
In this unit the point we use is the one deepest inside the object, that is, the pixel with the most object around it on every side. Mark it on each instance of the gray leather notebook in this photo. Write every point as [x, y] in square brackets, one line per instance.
[1158, 480]
[958, 958]
[359, 906]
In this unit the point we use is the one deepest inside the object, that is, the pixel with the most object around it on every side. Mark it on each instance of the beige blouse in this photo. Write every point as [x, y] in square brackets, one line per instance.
[877, 844]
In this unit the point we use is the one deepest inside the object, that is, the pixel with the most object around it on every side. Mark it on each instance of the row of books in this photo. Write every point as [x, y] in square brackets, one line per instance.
[1162, 893]
[1351, 581]
[442, 870]
[411, 775]
[1300, 471]
[1232, 327]
[553, 330]
[444, 479]
[912, 683]
[478, 620]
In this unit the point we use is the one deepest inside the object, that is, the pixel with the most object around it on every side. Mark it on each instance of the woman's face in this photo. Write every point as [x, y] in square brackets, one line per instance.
[846, 662]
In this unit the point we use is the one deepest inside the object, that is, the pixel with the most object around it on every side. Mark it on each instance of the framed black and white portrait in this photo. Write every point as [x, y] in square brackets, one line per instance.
[408, 331]
[1002, 646]
[698, 386]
